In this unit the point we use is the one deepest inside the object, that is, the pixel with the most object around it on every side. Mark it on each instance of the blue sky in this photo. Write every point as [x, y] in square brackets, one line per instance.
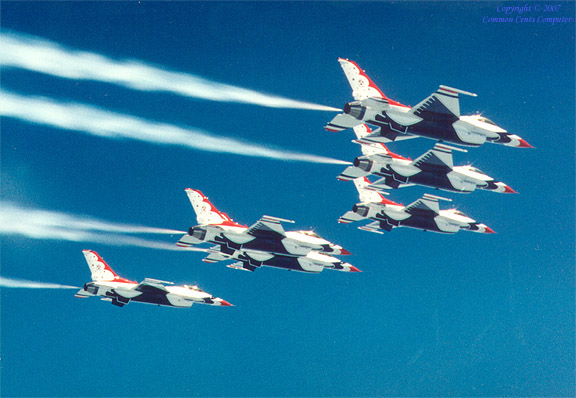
[460, 315]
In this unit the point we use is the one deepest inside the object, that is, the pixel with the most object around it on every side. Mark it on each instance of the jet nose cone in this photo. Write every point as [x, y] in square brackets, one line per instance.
[354, 269]
[524, 144]
[488, 230]
[345, 252]
[507, 189]
[225, 303]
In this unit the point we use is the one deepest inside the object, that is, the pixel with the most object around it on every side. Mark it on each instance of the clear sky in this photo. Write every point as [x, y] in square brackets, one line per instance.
[431, 315]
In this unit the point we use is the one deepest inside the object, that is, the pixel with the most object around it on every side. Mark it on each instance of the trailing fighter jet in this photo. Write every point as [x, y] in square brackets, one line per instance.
[265, 243]
[437, 117]
[423, 214]
[111, 287]
[433, 169]
[313, 262]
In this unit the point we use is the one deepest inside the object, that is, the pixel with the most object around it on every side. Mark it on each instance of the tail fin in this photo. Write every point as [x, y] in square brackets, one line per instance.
[362, 130]
[370, 196]
[206, 213]
[98, 267]
[362, 86]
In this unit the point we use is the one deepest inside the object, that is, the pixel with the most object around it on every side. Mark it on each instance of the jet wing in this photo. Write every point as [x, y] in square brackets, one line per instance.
[150, 285]
[427, 205]
[438, 158]
[388, 183]
[268, 227]
[443, 105]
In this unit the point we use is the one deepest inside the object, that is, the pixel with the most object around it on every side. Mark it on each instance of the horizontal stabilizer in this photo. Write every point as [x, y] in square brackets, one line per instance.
[215, 257]
[241, 266]
[83, 294]
[341, 122]
[351, 173]
[372, 227]
[349, 217]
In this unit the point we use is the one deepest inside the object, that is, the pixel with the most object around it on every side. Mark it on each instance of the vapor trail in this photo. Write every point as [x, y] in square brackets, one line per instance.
[102, 123]
[20, 283]
[44, 224]
[44, 56]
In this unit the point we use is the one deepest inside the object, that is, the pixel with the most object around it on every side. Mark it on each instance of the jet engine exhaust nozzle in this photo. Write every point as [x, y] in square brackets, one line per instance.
[363, 164]
[361, 210]
[355, 109]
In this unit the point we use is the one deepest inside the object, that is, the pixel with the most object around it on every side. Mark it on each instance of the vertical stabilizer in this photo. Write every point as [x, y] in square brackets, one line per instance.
[98, 267]
[206, 213]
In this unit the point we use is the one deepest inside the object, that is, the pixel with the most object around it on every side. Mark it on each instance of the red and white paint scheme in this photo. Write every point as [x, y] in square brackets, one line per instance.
[119, 291]
[436, 117]
[265, 243]
[424, 214]
[433, 169]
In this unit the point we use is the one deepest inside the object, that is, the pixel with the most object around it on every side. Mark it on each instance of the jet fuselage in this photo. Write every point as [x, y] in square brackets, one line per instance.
[232, 238]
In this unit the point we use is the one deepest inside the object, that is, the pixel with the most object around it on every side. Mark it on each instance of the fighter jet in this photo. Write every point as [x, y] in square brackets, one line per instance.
[249, 260]
[119, 291]
[433, 169]
[265, 243]
[437, 117]
[424, 214]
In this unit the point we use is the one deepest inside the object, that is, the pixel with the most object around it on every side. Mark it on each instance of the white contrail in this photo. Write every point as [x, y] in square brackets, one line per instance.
[24, 284]
[44, 56]
[44, 224]
[15, 218]
[102, 123]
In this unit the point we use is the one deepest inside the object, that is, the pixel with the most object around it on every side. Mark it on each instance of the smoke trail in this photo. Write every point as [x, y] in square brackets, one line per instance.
[48, 57]
[24, 284]
[44, 224]
[16, 218]
[99, 122]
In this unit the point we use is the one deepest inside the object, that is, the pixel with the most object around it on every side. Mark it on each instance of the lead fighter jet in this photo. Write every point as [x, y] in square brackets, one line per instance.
[119, 291]
[265, 243]
[437, 117]
[423, 214]
[433, 169]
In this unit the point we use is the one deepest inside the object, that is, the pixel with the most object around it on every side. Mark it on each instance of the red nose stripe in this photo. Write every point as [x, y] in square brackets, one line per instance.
[524, 144]
[225, 303]
[345, 252]
[489, 231]
[354, 269]
[507, 189]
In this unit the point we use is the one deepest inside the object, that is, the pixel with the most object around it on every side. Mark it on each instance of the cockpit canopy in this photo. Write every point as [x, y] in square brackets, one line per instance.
[474, 169]
[458, 213]
[485, 120]
[310, 233]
